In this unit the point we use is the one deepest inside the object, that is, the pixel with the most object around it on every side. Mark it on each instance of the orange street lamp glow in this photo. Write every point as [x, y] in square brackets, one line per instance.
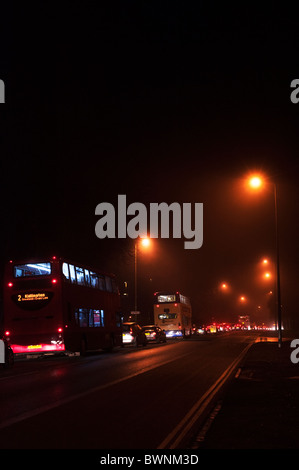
[255, 182]
[265, 261]
[267, 275]
[242, 298]
[145, 242]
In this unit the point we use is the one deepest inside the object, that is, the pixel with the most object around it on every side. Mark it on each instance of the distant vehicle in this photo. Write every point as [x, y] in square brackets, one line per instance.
[9, 356]
[211, 328]
[154, 333]
[133, 334]
[55, 305]
[198, 330]
[173, 313]
[244, 321]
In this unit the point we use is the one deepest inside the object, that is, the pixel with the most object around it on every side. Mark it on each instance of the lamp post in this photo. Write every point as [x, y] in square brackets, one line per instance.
[145, 242]
[278, 293]
[256, 182]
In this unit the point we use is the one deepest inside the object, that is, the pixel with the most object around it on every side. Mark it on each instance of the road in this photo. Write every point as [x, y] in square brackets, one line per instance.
[132, 398]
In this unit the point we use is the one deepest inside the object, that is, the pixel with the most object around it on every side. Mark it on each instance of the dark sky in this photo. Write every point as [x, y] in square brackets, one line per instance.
[161, 101]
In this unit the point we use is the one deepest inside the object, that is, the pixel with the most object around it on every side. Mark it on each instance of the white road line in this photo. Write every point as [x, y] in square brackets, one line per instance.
[64, 401]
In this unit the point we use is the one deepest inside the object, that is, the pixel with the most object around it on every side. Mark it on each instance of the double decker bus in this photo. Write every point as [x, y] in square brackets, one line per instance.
[173, 313]
[57, 305]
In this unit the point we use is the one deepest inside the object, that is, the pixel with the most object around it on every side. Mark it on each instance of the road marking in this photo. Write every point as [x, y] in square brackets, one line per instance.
[179, 432]
[8, 377]
[69, 399]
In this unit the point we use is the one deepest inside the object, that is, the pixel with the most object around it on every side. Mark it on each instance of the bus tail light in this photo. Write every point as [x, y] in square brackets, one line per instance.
[10, 284]
[60, 330]
[54, 281]
[7, 333]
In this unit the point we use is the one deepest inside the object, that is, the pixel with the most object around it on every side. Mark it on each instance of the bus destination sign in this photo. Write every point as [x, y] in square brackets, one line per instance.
[32, 300]
[30, 297]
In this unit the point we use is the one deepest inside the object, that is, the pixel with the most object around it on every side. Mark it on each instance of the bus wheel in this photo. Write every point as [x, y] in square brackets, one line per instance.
[83, 347]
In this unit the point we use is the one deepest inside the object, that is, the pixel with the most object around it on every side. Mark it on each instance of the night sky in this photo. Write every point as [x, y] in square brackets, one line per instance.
[164, 102]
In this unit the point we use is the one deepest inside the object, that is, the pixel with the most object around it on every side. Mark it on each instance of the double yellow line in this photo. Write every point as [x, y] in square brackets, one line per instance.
[176, 436]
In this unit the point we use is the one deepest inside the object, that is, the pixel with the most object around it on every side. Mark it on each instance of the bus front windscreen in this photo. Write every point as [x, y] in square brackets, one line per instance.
[32, 269]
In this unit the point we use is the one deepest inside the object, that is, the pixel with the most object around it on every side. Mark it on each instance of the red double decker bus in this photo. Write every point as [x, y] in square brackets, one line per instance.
[58, 305]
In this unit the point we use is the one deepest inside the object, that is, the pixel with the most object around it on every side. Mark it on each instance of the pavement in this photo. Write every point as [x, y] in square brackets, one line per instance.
[259, 408]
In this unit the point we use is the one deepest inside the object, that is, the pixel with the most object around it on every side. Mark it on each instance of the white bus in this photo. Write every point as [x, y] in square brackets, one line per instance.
[173, 313]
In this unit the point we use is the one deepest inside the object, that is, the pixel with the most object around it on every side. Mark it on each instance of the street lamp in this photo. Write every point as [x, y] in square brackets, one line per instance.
[224, 286]
[256, 182]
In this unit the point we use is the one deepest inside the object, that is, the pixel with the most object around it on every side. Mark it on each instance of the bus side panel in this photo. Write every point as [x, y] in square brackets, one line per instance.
[95, 338]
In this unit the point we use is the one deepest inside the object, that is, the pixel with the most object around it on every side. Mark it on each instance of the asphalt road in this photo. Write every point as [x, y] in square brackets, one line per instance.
[132, 398]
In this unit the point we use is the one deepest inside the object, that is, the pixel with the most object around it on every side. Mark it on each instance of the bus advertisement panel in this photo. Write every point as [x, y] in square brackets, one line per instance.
[56, 305]
[173, 313]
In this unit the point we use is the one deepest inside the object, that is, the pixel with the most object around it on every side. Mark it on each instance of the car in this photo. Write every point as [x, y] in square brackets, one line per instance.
[133, 334]
[8, 354]
[154, 333]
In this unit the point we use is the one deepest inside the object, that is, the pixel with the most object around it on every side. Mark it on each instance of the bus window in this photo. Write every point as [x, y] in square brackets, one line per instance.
[72, 274]
[167, 316]
[114, 286]
[102, 318]
[101, 281]
[90, 317]
[32, 269]
[65, 270]
[94, 280]
[108, 284]
[166, 298]
[96, 318]
[80, 276]
[82, 317]
[87, 277]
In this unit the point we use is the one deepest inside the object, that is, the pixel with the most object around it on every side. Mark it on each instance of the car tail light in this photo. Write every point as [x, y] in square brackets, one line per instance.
[54, 281]
[7, 333]
[60, 330]
[10, 284]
